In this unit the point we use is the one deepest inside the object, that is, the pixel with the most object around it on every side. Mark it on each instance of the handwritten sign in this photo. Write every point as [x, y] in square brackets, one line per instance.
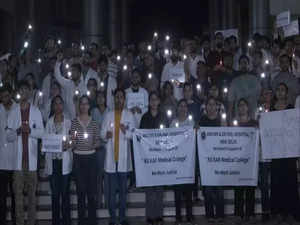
[52, 143]
[177, 73]
[135, 100]
[291, 29]
[283, 19]
[280, 139]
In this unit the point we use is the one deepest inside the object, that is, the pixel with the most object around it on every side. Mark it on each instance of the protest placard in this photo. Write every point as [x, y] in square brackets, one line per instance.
[52, 143]
[280, 134]
[228, 156]
[164, 156]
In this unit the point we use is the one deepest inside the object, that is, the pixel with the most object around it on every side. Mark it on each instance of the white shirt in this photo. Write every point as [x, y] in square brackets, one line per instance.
[69, 87]
[144, 92]
[8, 150]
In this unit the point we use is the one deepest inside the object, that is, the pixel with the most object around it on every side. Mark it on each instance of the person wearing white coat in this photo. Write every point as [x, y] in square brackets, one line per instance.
[73, 89]
[7, 154]
[117, 128]
[59, 165]
[25, 127]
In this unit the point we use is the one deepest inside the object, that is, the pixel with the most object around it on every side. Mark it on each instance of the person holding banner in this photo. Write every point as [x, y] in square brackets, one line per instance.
[154, 119]
[213, 196]
[185, 190]
[25, 127]
[85, 137]
[59, 165]
[284, 171]
[116, 130]
[243, 195]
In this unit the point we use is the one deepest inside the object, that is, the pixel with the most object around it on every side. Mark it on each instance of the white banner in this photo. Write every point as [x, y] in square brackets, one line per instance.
[283, 19]
[177, 73]
[52, 143]
[280, 139]
[135, 100]
[228, 156]
[229, 32]
[164, 156]
[291, 29]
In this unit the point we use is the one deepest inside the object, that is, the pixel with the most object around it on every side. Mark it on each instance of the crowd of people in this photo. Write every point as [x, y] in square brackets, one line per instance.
[85, 94]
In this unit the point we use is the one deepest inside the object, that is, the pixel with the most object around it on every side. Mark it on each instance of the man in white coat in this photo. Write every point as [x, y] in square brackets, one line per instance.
[117, 128]
[7, 152]
[73, 88]
[136, 97]
[24, 128]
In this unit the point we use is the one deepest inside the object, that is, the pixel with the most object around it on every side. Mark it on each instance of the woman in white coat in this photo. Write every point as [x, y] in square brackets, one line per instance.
[117, 129]
[59, 165]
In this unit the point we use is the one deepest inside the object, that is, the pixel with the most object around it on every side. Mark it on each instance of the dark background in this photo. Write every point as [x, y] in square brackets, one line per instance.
[178, 18]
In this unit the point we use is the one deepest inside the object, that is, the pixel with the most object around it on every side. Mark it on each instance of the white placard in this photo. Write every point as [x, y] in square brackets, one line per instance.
[228, 156]
[229, 32]
[164, 156]
[135, 100]
[283, 19]
[177, 73]
[52, 143]
[280, 134]
[291, 29]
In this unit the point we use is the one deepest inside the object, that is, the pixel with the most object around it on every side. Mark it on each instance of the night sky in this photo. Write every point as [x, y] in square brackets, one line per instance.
[179, 18]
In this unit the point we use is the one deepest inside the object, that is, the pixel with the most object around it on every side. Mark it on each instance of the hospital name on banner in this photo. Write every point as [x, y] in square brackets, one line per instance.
[135, 100]
[228, 156]
[280, 139]
[52, 143]
[164, 156]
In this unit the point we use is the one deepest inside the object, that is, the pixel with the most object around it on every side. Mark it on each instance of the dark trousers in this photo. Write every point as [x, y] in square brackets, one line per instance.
[180, 192]
[60, 189]
[214, 198]
[6, 181]
[264, 178]
[244, 196]
[117, 182]
[86, 177]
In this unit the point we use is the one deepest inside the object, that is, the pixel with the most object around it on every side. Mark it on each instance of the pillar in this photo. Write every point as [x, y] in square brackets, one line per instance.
[93, 21]
[114, 25]
[259, 17]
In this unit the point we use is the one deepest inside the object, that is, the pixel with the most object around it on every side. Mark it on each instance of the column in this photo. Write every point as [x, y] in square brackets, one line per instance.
[93, 21]
[259, 17]
[124, 21]
[114, 25]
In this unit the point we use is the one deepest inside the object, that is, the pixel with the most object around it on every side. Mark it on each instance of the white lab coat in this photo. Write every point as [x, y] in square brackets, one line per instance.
[111, 86]
[37, 131]
[8, 150]
[124, 163]
[137, 116]
[67, 156]
[69, 88]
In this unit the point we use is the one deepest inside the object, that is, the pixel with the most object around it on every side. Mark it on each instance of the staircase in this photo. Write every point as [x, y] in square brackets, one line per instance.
[135, 202]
